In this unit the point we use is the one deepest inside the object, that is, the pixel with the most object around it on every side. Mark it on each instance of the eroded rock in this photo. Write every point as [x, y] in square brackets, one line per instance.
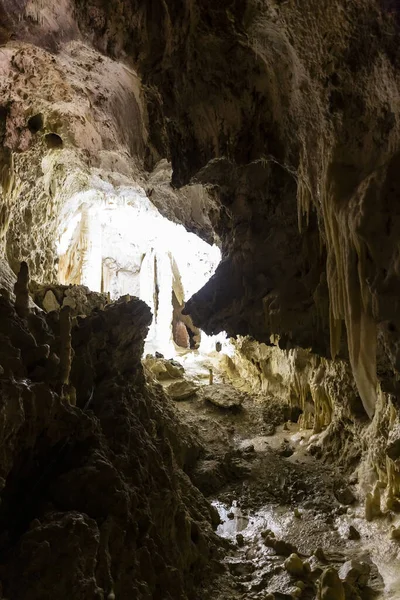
[355, 573]
[164, 369]
[294, 565]
[223, 396]
[330, 586]
[181, 389]
[50, 302]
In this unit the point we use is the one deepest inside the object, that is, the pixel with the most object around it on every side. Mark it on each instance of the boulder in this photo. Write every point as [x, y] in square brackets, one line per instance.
[223, 395]
[163, 369]
[208, 476]
[355, 573]
[181, 389]
[344, 495]
[281, 547]
[331, 588]
[294, 565]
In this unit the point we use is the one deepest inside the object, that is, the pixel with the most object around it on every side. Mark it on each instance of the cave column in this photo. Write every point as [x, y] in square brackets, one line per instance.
[92, 262]
[147, 293]
[164, 279]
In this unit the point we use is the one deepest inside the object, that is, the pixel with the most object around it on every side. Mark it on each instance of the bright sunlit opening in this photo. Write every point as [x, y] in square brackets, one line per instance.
[115, 241]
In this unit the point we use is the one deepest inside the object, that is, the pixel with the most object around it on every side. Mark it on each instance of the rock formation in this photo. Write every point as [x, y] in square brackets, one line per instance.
[270, 127]
[81, 510]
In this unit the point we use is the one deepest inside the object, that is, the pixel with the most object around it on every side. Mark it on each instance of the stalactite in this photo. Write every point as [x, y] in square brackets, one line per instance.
[350, 298]
[373, 503]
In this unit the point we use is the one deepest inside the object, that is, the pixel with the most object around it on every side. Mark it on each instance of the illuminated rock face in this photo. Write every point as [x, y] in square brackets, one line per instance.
[115, 241]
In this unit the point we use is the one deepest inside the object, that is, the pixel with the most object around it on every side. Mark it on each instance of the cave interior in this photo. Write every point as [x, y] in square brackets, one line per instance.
[199, 300]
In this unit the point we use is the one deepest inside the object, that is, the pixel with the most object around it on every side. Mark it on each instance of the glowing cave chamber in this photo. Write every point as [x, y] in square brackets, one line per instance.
[115, 241]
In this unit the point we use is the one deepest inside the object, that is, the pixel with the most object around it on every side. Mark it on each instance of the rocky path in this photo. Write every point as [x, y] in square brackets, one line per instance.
[292, 525]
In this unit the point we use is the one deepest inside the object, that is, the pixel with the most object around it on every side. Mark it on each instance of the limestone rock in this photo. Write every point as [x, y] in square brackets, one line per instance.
[286, 449]
[281, 547]
[96, 457]
[294, 565]
[344, 495]
[81, 300]
[164, 369]
[223, 396]
[355, 573]
[395, 533]
[181, 389]
[21, 290]
[208, 476]
[353, 533]
[330, 586]
[50, 302]
[373, 503]
[393, 443]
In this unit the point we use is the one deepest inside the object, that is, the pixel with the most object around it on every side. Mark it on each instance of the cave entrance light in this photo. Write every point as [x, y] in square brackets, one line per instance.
[114, 240]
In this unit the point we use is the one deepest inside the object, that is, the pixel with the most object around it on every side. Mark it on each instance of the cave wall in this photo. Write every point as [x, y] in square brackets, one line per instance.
[63, 118]
[322, 396]
[290, 113]
[96, 501]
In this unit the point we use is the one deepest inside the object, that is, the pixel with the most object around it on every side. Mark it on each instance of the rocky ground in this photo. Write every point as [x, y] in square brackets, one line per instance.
[292, 524]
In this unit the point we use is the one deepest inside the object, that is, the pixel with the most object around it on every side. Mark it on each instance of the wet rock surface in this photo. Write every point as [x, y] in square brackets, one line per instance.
[288, 533]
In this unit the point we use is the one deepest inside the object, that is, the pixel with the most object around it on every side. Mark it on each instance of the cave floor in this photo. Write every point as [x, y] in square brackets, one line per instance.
[274, 499]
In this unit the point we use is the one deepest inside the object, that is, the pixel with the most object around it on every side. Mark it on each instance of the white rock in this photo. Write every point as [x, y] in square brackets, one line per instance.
[50, 302]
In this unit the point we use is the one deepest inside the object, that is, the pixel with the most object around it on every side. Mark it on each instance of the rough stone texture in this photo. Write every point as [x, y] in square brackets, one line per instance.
[222, 395]
[94, 498]
[78, 298]
[62, 119]
[162, 368]
[355, 573]
[289, 114]
[192, 205]
[181, 390]
[50, 302]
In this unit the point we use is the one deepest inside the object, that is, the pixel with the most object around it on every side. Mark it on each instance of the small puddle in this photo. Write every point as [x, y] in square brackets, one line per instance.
[234, 521]
[310, 532]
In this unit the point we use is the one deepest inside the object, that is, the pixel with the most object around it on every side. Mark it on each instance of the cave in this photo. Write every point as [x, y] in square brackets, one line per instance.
[199, 303]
